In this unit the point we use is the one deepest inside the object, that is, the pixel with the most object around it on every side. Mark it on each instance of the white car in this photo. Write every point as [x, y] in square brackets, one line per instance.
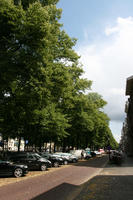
[69, 156]
[77, 153]
[97, 152]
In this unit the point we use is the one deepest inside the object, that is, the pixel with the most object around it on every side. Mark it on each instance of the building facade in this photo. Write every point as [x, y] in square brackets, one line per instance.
[127, 131]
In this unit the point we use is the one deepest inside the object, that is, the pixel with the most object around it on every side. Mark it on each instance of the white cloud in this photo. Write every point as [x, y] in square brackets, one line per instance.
[108, 62]
[109, 31]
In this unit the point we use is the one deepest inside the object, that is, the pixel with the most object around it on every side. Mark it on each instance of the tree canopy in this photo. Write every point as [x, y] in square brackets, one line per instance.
[43, 97]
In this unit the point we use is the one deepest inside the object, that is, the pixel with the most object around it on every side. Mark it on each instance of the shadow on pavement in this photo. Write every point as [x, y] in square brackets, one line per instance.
[98, 188]
[126, 162]
[64, 191]
[101, 187]
[107, 188]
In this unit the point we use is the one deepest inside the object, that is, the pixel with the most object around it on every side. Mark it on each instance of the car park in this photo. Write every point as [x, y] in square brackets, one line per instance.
[102, 151]
[77, 152]
[65, 159]
[88, 154]
[98, 153]
[81, 153]
[55, 160]
[33, 160]
[71, 158]
[93, 154]
[9, 169]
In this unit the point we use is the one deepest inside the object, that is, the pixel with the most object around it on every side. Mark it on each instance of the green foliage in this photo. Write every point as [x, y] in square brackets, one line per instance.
[42, 95]
[26, 3]
[89, 124]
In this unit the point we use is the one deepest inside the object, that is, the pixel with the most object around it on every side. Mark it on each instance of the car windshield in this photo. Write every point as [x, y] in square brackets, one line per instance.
[36, 156]
[2, 162]
[45, 154]
[63, 154]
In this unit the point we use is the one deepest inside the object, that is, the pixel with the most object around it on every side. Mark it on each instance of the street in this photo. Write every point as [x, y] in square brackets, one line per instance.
[65, 183]
[94, 179]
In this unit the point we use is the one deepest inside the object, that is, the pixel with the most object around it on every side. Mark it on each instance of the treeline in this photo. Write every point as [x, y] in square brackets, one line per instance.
[43, 97]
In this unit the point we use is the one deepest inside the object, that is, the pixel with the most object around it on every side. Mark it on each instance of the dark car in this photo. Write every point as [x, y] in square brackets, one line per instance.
[65, 159]
[33, 160]
[93, 154]
[9, 169]
[116, 157]
[55, 160]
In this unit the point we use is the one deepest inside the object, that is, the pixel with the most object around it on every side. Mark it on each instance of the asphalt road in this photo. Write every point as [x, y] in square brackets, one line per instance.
[64, 183]
[113, 183]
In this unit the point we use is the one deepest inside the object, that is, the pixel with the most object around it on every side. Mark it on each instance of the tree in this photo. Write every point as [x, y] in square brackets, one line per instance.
[43, 96]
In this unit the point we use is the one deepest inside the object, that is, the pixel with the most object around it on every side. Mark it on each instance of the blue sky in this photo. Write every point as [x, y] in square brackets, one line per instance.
[104, 29]
[78, 15]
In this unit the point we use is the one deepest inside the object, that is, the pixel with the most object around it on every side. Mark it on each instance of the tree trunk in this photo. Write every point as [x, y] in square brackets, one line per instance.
[19, 142]
[50, 148]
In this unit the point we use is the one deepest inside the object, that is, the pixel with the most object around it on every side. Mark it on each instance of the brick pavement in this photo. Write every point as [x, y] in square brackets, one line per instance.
[61, 184]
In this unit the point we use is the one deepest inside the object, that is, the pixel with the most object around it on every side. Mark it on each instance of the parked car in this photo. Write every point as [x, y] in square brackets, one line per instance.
[33, 160]
[88, 156]
[68, 156]
[77, 153]
[88, 153]
[55, 160]
[9, 169]
[65, 159]
[93, 154]
[98, 153]
[82, 153]
[102, 151]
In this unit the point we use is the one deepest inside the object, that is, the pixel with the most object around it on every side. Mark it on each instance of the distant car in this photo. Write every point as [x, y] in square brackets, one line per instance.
[55, 160]
[33, 160]
[65, 159]
[88, 156]
[101, 150]
[81, 153]
[116, 157]
[71, 158]
[93, 154]
[9, 169]
[97, 153]
[88, 153]
[77, 152]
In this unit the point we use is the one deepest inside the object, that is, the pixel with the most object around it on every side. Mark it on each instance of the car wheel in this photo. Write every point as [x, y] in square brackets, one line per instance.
[65, 162]
[56, 164]
[18, 172]
[74, 160]
[87, 157]
[43, 167]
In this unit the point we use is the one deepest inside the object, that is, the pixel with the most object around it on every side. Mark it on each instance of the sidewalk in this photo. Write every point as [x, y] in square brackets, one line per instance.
[113, 183]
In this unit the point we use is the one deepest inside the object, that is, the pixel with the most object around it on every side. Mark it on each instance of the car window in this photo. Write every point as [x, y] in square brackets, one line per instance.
[46, 156]
[36, 155]
[31, 157]
[20, 157]
[1, 162]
